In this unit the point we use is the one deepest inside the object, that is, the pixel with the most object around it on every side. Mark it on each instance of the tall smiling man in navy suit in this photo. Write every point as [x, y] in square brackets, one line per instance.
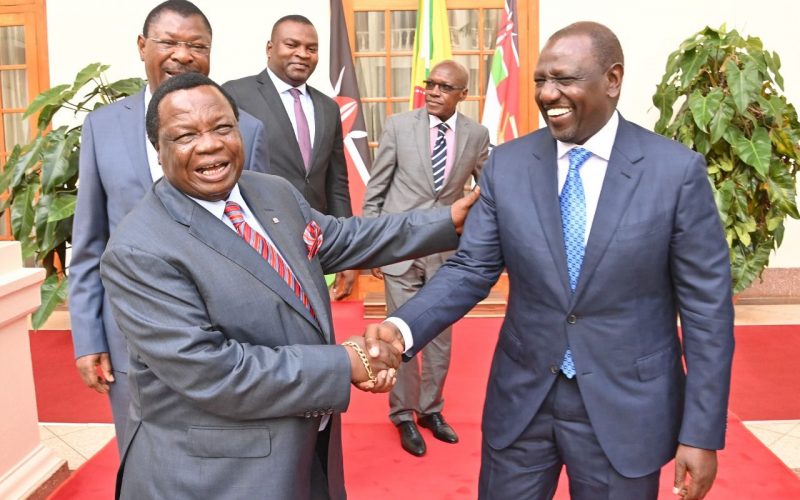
[609, 233]
[117, 167]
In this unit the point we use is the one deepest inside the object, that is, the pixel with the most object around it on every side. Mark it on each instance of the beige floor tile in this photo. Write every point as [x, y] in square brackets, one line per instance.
[781, 314]
[787, 448]
[90, 440]
[45, 433]
[782, 427]
[767, 437]
[65, 451]
[66, 429]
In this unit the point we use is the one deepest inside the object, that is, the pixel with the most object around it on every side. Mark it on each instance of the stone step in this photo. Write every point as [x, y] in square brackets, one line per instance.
[493, 306]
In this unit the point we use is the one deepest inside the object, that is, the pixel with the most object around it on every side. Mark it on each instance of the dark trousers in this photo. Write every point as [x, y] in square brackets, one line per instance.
[560, 434]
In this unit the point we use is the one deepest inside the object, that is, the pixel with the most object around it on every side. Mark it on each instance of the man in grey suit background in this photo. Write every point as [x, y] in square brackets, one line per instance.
[424, 159]
[117, 167]
[608, 232]
[303, 125]
[216, 280]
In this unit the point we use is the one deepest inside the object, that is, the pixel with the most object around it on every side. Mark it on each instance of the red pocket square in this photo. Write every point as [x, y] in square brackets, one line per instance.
[313, 238]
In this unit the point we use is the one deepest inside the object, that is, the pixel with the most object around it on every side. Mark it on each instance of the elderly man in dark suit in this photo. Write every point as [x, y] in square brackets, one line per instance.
[303, 125]
[117, 167]
[425, 158]
[608, 232]
[216, 280]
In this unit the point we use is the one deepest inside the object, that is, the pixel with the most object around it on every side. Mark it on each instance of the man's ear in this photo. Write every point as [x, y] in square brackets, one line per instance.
[140, 43]
[614, 78]
[269, 49]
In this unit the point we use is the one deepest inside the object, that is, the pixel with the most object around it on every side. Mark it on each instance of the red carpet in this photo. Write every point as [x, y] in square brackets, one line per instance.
[766, 381]
[747, 469]
[61, 395]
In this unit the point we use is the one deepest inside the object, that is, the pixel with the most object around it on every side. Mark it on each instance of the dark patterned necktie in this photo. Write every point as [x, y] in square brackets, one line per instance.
[303, 134]
[439, 157]
[266, 250]
[573, 223]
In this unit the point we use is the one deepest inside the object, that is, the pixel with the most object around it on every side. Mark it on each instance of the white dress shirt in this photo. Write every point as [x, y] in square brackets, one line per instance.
[593, 172]
[156, 172]
[288, 103]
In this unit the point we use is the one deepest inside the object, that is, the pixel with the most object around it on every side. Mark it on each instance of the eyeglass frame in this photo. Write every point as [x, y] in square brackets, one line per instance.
[443, 87]
[172, 45]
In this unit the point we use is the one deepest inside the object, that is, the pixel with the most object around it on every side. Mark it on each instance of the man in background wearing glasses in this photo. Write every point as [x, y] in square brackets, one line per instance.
[117, 167]
[424, 160]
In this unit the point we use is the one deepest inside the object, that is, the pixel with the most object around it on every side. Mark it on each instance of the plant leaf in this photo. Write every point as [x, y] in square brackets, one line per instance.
[126, 87]
[63, 206]
[782, 190]
[756, 152]
[56, 154]
[52, 96]
[53, 293]
[22, 211]
[705, 107]
[690, 67]
[744, 84]
[721, 121]
[91, 71]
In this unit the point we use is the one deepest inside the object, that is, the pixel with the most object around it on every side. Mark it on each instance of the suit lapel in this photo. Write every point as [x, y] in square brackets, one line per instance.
[319, 120]
[278, 112]
[216, 235]
[135, 137]
[622, 177]
[422, 136]
[463, 128]
[544, 186]
[288, 238]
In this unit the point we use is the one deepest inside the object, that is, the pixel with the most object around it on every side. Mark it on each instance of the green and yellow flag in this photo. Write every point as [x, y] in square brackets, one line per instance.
[431, 45]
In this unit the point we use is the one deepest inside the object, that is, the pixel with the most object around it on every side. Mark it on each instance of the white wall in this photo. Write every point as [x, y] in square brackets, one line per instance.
[650, 31]
[84, 31]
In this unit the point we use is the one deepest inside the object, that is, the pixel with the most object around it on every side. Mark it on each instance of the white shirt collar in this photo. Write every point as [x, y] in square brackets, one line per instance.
[600, 144]
[217, 208]
[451, 122]
[282, 86]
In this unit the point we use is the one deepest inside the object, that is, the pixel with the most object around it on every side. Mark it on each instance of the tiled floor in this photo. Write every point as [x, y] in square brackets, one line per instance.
[78, 442]
[75, 443]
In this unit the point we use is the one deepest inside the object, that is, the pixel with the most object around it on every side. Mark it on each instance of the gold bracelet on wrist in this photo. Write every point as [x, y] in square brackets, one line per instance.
[363, 357]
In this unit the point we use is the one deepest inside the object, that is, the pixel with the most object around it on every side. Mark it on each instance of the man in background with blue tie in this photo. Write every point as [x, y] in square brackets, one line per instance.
[424, 159]
[608, 232]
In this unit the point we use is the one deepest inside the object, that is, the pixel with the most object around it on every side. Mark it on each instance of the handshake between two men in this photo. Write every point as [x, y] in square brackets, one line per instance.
[375, 357]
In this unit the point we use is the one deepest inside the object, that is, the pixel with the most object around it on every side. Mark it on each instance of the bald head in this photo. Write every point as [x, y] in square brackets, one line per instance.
[606, 48]
[456, 70]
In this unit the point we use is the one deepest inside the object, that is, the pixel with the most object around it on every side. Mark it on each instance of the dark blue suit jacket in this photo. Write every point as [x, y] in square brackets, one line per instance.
[656, 250]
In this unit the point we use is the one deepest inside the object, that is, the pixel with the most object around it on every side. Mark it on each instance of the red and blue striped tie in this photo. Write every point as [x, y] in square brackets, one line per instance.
[266, 250]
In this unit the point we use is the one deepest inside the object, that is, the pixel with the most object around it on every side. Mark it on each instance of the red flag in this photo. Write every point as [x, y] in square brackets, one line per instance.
[345, 89]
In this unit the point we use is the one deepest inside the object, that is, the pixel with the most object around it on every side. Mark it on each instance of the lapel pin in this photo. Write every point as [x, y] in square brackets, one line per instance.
[275, 220]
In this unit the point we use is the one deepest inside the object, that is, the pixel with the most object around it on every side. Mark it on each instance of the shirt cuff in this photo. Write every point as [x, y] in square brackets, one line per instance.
[405, 331]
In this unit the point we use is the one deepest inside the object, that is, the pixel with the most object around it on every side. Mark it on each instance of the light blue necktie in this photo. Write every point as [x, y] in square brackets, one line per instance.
[573, 222]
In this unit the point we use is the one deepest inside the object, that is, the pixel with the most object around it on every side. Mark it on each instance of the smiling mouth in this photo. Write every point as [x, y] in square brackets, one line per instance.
[557, 112]
[214, 170]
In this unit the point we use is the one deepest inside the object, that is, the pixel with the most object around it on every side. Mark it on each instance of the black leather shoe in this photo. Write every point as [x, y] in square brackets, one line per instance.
[411, 439]
[441, 429]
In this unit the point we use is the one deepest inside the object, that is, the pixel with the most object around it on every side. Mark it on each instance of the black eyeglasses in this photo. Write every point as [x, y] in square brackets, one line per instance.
[447, 89]
[172, 45]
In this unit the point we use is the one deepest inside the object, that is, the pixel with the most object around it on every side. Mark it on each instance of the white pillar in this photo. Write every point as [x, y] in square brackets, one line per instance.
[25, 464]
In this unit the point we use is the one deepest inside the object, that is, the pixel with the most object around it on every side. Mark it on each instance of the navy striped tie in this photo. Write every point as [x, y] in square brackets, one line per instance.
[439, 157]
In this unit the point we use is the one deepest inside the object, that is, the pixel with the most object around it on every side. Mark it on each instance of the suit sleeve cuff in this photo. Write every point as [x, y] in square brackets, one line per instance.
[405, 331]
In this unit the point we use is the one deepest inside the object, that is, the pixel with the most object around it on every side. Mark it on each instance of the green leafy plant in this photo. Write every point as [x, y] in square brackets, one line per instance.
[727, 92]
[42, 177]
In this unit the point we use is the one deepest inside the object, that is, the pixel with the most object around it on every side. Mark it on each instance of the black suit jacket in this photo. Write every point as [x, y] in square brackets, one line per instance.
[325, 184]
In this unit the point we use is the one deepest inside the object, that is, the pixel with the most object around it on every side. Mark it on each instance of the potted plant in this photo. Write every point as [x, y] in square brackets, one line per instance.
[727, 93]
[42, 177]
